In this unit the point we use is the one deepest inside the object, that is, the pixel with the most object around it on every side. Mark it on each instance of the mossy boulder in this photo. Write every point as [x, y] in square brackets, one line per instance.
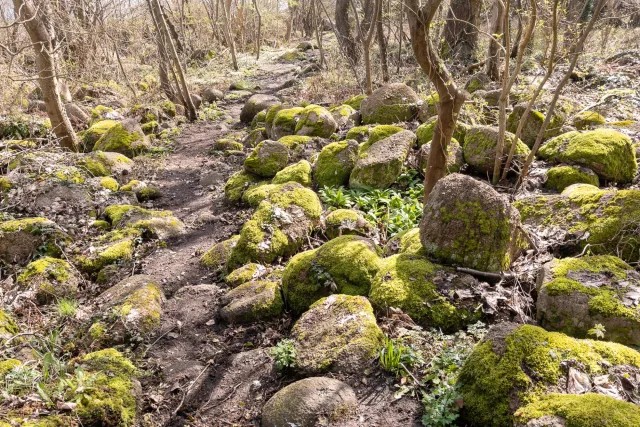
[534, 124]
[346, 221]
[358, 133]
[225, 144]
[125, 138]
[279, 226]
[478, 81]
[284, 122]
[315, 120]
[560, 177]
[355, 101]
[467, 223]
[588, 119]
[255, 137]
[299, 172]
[259, 120]
[295, 141]
[267, 159]
[607, 152]
[345, 265]
[252, 301]
[337, 334]
[575, 294]
[379, 165]
[99, 163]
[414, 284]
[479, 148]
[519, 365]
[49, 279]
[335, 163]
[8, 326]
[217, 257]
[154, 224]
[238, 183]
[606, 220]
[242, 85]
[270, 116]
[378, 133]
[310, 402]
[455, 158]
[109, 183]
[89, 137]
[428, 106]
[21, 238]
[111, 399]
[392, 103]
[114, 247]
[405, 242]
[255, 104]
[344, 115]
[246, 273]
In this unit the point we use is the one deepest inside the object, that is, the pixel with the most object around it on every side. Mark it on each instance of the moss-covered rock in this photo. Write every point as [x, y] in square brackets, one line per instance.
[217, 257]
[252, 301]
[279, 226]
[479, 148]
[255, 137]
[428, 106]
[392, 103]
[335, 163]
[111, 399]
[315, 120]
[49, 278]
[534, 124]
[267, 159]
[99, 163]
[238, 183]
[355, 101]
[109, 183]
[467, 223]
[299, 172]
[560, 177]
[478, 81]
[225, 144]
[575, 294]
[338, 333]
[151, 127]
[515, 366]
[8, 326]
[115, 247]
[154, 224]
[413, 284]
[588, 119]
[255, 104]
[381, 163]
[270, 116]
[405, 242]
[22, 238]
[345, 265]
[310, 402]
[605, 151]
[606, 220]
[246, 273]
[455, 159]
[346, 221]
[378, 133]
[284, 122]
[125, 138]
[358, 133]
[89, 137]
[344, 115]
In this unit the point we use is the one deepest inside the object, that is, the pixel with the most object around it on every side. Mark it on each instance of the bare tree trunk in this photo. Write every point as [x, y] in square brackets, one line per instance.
[317, 23]
[35, 20]
[259, 36]
[365, 39]
[460, 31]
[495, 46]
[382, 45]
[400, 34]
[451, 98]
[226, 14]
[343, 28]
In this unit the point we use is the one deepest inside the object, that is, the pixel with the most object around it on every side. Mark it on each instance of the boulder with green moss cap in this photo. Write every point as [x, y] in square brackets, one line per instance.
[392, 103]
[255, 104]
[259, 119]
[155, 224]
[99, 163]
[280, 225]
[125, 138]
[518, 368]
[255, 137]
[217, 257]
[270, 116]
[358, 133]
[284, 122]
[89, 137]
[252, 301]
[111, 399]
[315, 120]
[345, 265]
[607, 152]
[345, 116]
[335, 164]
[418, 287]
[355, 101]
[8, 326]
[575, 294]
[560, 177]
[337, 334]
[405, 242]
[299, 172]
[225, 144]
[49, 279]
[21, 238]
[310, 402]
[246, 273]
[467, 223]
[534, 124]
[606, 220]
[346, 221]
[588, 119]
[380, 164]
[479, 148]
[114, 247]
[238, 183]
[267, 159]
[455, 158]
[478, 81]
[378, 133]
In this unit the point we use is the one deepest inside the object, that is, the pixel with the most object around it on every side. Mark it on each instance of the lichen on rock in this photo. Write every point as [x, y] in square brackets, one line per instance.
[479, 148]
[252, 301]
[267, 159]
[346, 221]
[392, 103]
[299, 172]
[315, 120]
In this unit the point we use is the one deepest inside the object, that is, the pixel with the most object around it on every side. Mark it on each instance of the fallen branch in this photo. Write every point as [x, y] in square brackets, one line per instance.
[485, 274]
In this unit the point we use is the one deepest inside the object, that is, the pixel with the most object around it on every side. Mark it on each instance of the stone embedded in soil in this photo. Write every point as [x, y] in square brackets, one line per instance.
[335, 163]
[252, 301]
[267, 159]
[337, 334]
[575, 294]
[21, 238]
[310, 402]
[518, 364]
[155, 224]
[49, 279]
[246, 273]
[217, 257]
[392, 103]
[125, 138]
[467, 223]
[346, 221]
[255, 104]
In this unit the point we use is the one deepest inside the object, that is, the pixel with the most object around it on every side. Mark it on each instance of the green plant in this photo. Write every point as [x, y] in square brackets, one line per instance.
[391, 356]
[597, 331]
[284, 354]
[66, 308]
